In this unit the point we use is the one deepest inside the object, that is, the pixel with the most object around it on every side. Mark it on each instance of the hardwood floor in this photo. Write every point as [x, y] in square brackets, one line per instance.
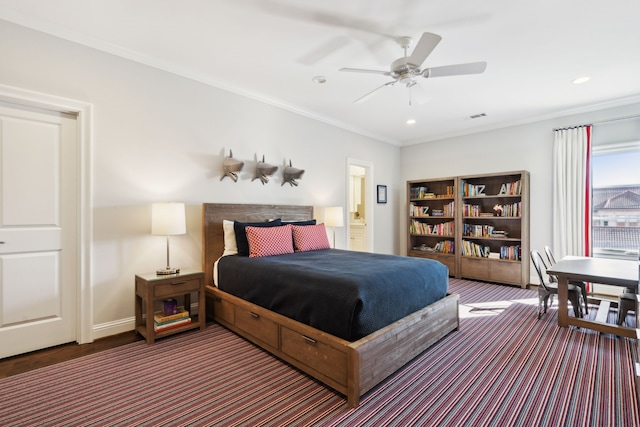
[49, 356]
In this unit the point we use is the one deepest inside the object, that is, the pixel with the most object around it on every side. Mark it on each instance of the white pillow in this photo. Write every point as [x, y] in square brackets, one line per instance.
[230, 245]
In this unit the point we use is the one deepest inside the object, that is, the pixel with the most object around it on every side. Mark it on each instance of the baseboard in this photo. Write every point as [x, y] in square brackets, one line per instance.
[112, 328]
[123, 325]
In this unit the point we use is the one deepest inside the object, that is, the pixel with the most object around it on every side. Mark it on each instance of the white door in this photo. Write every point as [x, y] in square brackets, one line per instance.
[38, 214]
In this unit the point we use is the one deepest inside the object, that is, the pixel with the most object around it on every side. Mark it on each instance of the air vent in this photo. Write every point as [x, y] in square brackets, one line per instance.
[477, 116]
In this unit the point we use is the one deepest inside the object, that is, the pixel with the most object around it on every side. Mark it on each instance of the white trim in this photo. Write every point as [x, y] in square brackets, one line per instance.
[127, 324]
[84, 112]
[616, 147]
[114, 327]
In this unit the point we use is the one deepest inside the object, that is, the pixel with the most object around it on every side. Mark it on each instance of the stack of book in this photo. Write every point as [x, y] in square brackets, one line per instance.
[421, 193]
[164, 323]
[499, 234]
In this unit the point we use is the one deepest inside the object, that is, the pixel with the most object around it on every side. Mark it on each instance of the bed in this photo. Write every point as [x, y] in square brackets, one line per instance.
[351, 366]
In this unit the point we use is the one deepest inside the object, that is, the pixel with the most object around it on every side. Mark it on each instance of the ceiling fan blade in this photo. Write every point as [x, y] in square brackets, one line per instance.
[455, 70]
[373, 92]
[361, 70]
[426, 44]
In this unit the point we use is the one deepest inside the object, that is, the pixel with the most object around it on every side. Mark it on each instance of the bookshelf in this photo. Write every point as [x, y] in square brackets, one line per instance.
[432, 227]
[490, 222]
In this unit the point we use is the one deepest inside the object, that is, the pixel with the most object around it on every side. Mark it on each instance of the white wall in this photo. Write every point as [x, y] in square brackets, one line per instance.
[160, 137]
[524, 147]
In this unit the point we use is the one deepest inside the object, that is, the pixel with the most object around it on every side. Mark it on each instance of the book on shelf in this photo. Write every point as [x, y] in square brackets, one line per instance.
[418, 210]
[418, 192]
[449, 209]
[471, 190]
[471, 210]
[443, 247]
[171, 324]
[473, 230]
[474, 250]
[159, 317]
[511, 188]
[513, 253]
[421, 228]
[512, 210]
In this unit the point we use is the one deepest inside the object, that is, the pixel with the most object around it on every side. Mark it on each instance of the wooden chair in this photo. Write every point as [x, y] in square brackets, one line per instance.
[547, 289]
[626, 303]
[581, 285]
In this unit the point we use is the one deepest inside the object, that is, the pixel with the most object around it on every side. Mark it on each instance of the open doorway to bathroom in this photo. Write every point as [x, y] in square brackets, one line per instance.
[360, 207]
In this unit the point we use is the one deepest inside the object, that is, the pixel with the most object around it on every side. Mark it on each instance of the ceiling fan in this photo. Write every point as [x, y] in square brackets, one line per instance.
[407, 69]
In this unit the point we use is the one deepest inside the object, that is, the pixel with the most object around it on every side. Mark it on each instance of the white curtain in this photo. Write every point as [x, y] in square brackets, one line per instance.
[571, 191]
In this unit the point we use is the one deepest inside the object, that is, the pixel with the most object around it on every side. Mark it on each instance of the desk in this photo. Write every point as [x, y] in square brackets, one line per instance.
[597, 270]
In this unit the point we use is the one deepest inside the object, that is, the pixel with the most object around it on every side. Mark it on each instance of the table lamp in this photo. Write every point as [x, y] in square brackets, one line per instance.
[168, 219]
[334, 217]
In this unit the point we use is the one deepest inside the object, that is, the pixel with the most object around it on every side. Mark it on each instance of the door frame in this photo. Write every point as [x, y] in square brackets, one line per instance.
[370, 194]
[83, 111]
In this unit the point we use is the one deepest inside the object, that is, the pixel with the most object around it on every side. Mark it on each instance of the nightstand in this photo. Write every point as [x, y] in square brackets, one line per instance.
[151, 288]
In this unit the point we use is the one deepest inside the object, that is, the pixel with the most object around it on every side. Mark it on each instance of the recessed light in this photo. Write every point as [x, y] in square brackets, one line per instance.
[319, 79]
[411, 121]
[581, 80]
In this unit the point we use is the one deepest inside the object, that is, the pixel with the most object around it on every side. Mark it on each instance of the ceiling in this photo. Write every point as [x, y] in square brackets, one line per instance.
[271, 50]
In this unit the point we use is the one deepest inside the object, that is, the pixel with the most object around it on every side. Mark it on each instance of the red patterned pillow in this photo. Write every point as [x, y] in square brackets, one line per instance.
[268, 241]
[310, 237]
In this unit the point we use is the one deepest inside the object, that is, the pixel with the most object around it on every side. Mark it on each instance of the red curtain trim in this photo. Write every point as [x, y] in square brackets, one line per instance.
[587, 199]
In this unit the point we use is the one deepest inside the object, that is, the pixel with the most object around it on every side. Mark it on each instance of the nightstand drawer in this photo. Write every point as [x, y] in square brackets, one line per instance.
[176, 286]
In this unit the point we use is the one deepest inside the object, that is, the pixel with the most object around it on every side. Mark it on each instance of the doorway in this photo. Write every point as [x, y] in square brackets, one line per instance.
[360, 207]
[45, 299]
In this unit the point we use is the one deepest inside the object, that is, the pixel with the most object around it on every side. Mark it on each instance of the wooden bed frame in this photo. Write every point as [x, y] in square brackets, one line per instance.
[351, 368]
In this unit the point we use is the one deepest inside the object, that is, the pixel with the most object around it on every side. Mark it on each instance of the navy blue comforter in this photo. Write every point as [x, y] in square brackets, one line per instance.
[344, 293]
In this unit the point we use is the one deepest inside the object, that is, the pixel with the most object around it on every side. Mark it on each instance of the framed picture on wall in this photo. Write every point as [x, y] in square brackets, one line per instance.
[382, 194]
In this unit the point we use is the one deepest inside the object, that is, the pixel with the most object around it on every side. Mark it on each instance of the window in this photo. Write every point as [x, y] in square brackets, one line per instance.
[615, 230]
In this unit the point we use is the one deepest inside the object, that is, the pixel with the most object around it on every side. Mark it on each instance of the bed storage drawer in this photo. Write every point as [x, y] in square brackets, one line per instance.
[223, 310]
[257, 326]
[316, 354]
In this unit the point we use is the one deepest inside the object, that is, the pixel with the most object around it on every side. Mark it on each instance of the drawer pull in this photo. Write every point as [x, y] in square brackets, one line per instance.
[254, 315]
[309, 340]
[179, 283]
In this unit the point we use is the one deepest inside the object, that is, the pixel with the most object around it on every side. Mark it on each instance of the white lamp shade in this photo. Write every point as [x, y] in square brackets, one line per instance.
[333, 216]
[168, 219]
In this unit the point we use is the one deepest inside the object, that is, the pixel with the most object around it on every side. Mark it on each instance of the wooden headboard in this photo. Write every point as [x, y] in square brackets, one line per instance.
[213, 235]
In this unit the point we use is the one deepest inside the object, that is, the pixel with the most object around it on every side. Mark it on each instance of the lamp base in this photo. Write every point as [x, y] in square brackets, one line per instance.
[167, 271]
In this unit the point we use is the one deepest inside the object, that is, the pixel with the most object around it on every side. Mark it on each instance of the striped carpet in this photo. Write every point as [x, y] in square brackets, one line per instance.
[503, 368]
